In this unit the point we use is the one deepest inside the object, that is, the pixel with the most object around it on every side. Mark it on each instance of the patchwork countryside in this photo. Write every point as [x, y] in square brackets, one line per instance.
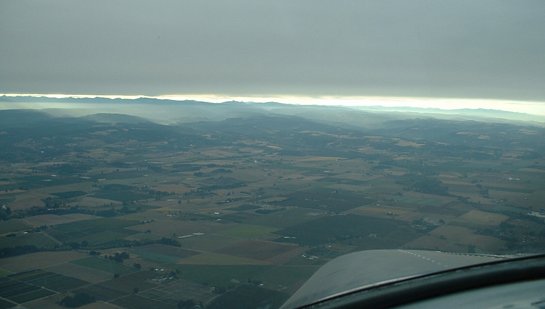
[239, 203]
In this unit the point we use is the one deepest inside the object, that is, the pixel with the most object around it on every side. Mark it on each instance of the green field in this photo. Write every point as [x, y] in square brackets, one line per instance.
[127, 282]
[48, 280]
[212, 258]
[351, 229]
[249, 231]
[13, 225]
[121, 193]
[28, 275]
[162, 253]
[21, 292]
[58, 283]
[273, 277]
[326, 199]
[69, 194]
[247, 296]
[100, 292]
[31, 239]
[256, 249]
[137, 302]
[4, 304]
[220, 275]
[286, 276]
[32, 295]
[95, 239]
[95, 231]
[104, 265]
[4, 273]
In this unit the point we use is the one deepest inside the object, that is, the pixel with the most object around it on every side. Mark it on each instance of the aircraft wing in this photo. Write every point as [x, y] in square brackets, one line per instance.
[368, 268]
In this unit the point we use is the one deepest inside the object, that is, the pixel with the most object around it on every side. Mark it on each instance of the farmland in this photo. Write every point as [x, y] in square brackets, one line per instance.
[139, 214]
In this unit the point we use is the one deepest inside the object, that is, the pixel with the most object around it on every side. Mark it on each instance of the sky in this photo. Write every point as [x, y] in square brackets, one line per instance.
[489, 51]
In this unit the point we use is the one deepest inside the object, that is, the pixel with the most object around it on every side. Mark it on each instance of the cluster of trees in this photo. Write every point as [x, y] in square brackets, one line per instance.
[18, 250]
[64, 209]
[169, 242]
[5, 212]
[118, 256]
[77, 300]
[54, 202]
[188, 304]
[423, 184]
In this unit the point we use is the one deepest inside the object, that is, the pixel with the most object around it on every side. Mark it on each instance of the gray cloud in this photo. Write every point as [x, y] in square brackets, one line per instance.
[454, 48]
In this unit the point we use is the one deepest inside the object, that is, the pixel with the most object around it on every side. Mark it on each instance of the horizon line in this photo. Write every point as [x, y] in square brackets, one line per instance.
[536, 108]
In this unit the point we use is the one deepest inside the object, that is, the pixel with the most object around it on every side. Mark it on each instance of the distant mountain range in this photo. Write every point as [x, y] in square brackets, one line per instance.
[44, 99]
[200, 110]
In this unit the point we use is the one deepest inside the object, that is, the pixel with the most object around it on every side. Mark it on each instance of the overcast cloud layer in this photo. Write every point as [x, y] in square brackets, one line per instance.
[467, 49]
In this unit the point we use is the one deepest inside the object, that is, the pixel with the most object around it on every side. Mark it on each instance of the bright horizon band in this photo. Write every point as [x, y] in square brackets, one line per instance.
[527, 107]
